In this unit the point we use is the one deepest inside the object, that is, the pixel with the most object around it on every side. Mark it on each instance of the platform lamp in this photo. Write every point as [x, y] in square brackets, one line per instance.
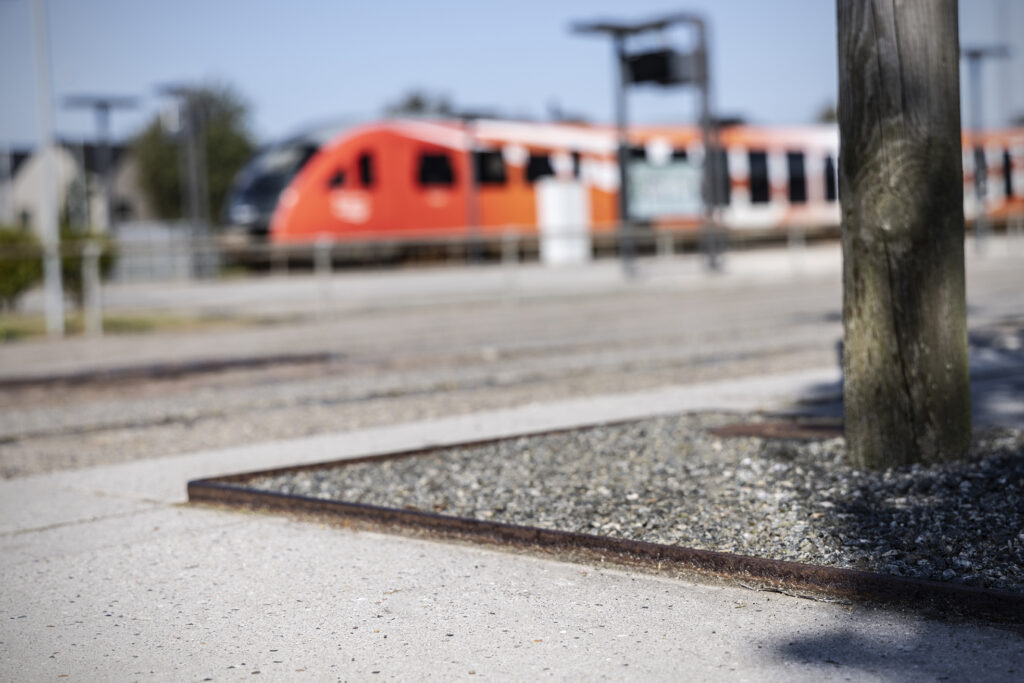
[975, 56]
[102, 106]
[193, 164]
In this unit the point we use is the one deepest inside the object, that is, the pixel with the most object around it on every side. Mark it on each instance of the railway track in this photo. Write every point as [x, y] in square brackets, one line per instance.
[381, 366]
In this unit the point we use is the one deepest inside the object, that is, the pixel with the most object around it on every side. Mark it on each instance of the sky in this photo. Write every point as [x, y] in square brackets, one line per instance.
[313, 61]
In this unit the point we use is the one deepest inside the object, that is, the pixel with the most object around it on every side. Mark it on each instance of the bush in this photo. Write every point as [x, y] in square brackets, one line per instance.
[21, 264]
[71, 245]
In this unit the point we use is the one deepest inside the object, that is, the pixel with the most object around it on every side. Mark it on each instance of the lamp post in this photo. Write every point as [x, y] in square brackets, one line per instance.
[102, 105]
[196, 194]
[974, 57]
[53, 290]
[663, 67]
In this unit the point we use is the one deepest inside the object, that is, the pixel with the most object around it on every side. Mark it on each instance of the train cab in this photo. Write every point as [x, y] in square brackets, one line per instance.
[255, 190]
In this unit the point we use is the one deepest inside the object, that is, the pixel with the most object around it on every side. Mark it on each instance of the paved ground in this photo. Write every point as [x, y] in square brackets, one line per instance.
[107, 574]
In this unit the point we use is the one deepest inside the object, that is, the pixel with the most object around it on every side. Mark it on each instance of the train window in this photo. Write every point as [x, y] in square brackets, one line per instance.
[337, 179]
[638, 153]
[436, 169]
[723, 183]
[1007, 174]
[797, 177]
[679, 155]
[576, 161]
[830, 179]
[760, 190]
[538, 166]
[489, 166]
[366, 169]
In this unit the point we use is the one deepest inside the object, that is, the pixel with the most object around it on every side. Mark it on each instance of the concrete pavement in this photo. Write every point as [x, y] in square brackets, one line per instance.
[319, 308]
[107, 575]
[347, 290]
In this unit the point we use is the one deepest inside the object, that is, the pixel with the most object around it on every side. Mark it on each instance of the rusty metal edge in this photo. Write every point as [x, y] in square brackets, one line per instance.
[932, 597]
[800, 429]
[940, 599]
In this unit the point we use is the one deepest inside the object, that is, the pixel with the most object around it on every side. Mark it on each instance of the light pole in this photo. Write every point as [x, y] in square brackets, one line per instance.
[47, 214]
[663, 67]
[101, 105]
[194, 167]
[974, 57]
[6, 189]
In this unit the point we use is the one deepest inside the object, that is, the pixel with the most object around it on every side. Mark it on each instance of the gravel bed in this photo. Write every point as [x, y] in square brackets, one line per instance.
[670, 481]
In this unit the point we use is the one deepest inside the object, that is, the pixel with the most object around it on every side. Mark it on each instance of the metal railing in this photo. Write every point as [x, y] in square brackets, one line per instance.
[157, 253]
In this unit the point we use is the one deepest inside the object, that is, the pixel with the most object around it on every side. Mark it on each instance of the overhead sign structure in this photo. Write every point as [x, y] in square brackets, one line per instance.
[664, 67]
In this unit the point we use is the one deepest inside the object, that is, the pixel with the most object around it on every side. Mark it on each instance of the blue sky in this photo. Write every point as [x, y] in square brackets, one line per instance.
[314, 60]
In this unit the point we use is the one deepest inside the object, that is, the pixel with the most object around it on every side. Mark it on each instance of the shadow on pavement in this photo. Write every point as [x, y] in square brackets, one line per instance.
[932, 653]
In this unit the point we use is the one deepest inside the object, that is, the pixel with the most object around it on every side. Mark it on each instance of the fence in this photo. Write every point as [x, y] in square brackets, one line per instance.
[164, 252]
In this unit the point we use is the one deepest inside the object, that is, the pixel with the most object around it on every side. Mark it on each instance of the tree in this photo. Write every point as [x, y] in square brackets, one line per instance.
[906, 390]
[420, 103]
[827, 114]
[228, 145]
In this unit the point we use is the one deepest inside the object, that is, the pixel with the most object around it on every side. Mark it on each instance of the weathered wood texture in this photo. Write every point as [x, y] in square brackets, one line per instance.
[904, 313]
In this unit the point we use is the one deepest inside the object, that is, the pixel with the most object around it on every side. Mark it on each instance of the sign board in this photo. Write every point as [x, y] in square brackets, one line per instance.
[672, 189]
[664, 67]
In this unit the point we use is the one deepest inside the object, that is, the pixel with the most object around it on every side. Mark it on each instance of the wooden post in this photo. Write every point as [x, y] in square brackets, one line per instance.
[906, 388]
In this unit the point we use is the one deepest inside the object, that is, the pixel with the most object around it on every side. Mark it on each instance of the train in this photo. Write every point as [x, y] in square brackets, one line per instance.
[408, 179]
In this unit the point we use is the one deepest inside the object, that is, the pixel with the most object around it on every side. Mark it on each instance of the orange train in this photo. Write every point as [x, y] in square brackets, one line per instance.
[406, 179]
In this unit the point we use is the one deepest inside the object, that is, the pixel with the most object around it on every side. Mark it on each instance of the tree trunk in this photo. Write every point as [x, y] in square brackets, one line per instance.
[906, 389]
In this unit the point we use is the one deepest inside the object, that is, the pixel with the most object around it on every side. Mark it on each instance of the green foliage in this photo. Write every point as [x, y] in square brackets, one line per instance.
[420, 103]
[157, 154]
[228, 145]
[21, 264]
[71, 245]
[21, 261]
[827, 114]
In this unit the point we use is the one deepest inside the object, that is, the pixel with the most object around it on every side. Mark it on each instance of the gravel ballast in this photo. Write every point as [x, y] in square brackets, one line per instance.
[671, 481]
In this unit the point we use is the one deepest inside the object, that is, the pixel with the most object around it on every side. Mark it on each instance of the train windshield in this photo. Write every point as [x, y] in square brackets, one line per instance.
[272, 170]
[258, 186]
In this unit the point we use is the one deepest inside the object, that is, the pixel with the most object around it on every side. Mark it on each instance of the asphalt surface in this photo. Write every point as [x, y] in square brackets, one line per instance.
[107, 575]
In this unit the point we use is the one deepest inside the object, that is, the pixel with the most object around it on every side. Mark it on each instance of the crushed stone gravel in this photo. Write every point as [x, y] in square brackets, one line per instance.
[671, 481]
